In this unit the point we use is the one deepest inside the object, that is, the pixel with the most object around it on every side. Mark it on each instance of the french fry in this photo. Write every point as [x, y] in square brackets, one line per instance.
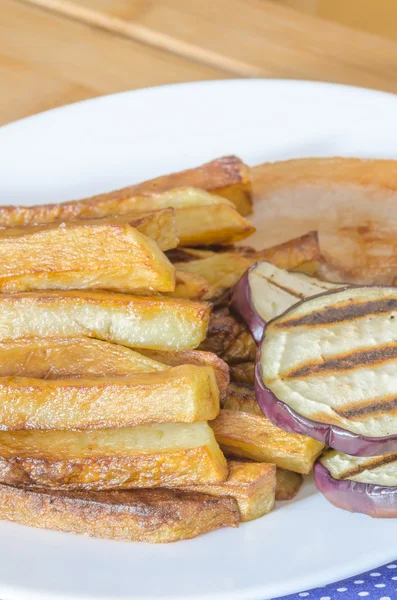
[146, 456]
[221, 271]
[193, 357]
[155, 516]
[250, 436]
[201, 218]
[82, 255]
[189, 286]
[251, 484]
[223, 329]
[183, 394]
[288, 484]
[242, 398]
[134, 321]
[67, 358]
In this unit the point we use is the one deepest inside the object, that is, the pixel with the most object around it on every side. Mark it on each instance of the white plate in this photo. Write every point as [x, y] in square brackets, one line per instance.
[114, 141]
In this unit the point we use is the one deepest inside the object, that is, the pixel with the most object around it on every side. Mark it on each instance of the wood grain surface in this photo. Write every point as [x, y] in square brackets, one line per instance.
[54, 52]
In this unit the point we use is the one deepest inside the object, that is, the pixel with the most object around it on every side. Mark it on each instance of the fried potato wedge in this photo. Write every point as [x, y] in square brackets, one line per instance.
[82, 255]
[251, 484]
[229, 338]
[183, 394]
[193, 357]
[154, 516]
[227, 176]
[250, 436]
[243, 372]
[146, 456]
[67, 358]
[221, 271]
[189, 286]
[288, 484]
[242, 398]
[135, 321]
[201, 217]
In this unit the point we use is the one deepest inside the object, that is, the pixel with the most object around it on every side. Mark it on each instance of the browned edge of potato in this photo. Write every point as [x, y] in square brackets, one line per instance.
[155, 516]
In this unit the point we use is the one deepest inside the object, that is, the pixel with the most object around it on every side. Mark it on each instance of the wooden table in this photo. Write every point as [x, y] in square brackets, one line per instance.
[54, 52]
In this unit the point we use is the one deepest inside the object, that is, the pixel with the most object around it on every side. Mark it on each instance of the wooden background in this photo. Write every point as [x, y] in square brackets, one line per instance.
[54, 52]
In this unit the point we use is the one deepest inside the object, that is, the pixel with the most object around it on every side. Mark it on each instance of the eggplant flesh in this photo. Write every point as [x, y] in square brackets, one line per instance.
[274, 290]
[332, 359]
[362, 485]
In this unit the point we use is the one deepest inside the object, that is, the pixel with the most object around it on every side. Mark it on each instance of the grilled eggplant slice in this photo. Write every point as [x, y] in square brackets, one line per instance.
[359, 484]
[193, 357]
[251, 484]
[327, 370]
[95, 254]
[250, 436]
[92, 403]
[154, 516]
[146, 456]
[134, 321]
[265, 291]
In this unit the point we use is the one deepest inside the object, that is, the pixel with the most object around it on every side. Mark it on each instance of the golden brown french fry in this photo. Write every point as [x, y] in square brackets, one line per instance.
[183, 394]
[193, 357]
[201, 218]
[242, 398]
[66, 358]
[288, 484]
[250, 436]
[221, 271]
[136, 321]
[82, 255]
[251, 484]
[146, 456]
[189, 286]
[155, 516]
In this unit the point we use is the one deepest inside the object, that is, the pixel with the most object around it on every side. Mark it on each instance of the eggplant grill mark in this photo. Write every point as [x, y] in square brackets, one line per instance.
[347, 362]
[368, 408]
[347, 312]
[281, 287]
[379, 461]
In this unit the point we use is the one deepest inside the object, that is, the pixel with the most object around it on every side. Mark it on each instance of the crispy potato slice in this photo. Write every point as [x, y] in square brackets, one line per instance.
[201, 218]
[135, 321]
[212, 223]
[66, 358]
[82, 255]
[242, 398]
[288, 484]
[250, 436]
[154, 516]
[193, 357]
[229, 338]
[146, 456]
[221, 271]
[189, 286]
[227, 176]
[243, 372]
[251, 484]
[183, 394]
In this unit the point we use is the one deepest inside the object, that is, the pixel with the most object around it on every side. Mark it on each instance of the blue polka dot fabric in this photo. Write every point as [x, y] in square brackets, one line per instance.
[378, 584]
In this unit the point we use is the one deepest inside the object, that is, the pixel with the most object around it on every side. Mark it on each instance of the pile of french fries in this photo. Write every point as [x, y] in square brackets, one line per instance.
[117, 418]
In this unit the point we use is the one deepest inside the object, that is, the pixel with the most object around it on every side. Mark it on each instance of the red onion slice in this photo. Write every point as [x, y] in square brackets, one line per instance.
[367, 498]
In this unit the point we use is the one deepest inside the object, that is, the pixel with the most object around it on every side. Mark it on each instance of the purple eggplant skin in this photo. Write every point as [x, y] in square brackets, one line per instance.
[242, 305]
[333, 436]
[366, 498]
